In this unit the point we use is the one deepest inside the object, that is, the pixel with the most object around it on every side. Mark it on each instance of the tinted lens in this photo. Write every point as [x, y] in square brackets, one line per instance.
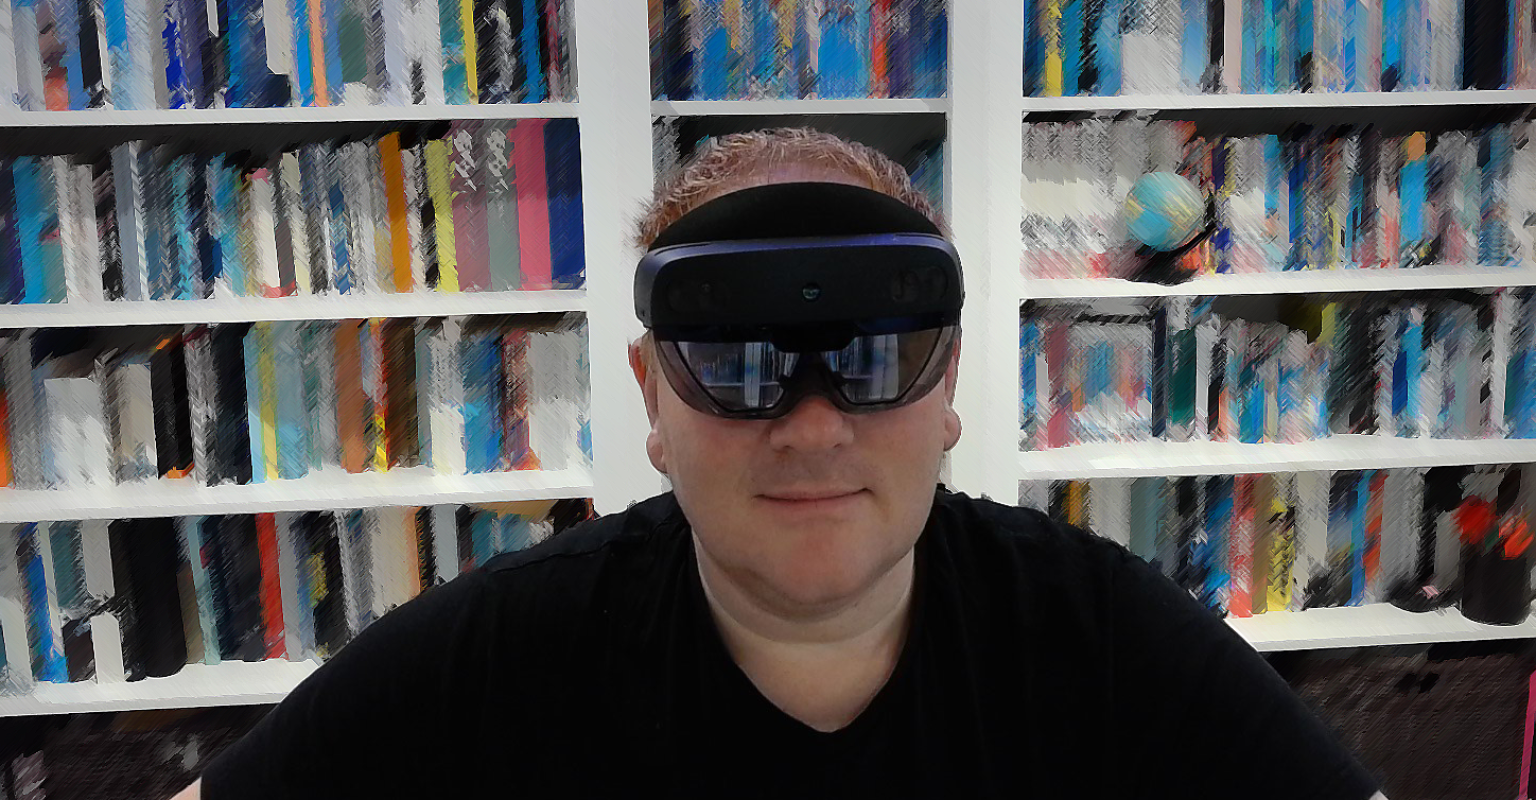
[871, 370]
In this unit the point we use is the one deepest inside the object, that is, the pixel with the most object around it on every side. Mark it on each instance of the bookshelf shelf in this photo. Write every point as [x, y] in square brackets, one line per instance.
[232, 683]
[1304, 282]
[257, 309]
[1294, 100]
[105, 117]
[324, 490]
[704, 108]
[1343, 452]
[1371, 625]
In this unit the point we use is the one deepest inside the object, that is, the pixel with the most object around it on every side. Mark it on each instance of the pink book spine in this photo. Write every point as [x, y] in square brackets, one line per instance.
[532, 202]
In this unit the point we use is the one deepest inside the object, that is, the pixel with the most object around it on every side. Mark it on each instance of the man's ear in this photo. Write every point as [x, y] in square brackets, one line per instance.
[951, 417]
[645, 376]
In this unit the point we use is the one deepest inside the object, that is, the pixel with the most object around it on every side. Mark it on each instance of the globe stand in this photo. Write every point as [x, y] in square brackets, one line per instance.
[1162, 266]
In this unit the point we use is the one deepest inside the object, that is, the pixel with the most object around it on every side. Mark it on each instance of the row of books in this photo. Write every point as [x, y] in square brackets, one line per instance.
[1180, 370]
[1251, 544]
[267, 401]
[469, 206]
[114, 600]
[1109, 47]
[1308, 198]
[755, 49]
[148, 54]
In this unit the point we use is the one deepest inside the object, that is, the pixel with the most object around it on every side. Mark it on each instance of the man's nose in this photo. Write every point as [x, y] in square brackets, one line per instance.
[814, 423]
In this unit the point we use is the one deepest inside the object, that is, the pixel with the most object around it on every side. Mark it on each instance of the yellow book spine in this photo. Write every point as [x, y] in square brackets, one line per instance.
[1053, 79]
[377, 443]
[467, 23]
[442, 214]
[266, 366]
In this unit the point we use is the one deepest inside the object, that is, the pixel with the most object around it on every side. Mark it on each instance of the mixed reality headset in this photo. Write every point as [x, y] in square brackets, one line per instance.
[764, 295]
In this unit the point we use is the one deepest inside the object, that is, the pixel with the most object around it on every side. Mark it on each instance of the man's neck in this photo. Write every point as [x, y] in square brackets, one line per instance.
[821, 666]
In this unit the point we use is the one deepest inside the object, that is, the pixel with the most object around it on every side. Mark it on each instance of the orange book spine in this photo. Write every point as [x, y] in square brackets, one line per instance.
[399, 228]
[352, 413]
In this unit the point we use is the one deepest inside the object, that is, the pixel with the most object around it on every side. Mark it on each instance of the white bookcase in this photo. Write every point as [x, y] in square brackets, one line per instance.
[984, 110]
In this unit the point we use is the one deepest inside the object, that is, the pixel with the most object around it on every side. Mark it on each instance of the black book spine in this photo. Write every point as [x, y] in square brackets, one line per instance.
[231, 445]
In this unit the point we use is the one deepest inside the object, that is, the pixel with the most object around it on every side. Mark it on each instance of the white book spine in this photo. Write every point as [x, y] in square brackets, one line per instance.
[87, 235]
[1109, 509]
[1522, 193]
[448, 453]
[13, 616]
[360, 248]
[200, 393]
[278, 23]
[106, 631]
[128, 187]
[298, 627]
[445, 541]
[392, 555]
[262, 230]
[410, 163]
[397, 55]
[66, 187]
[134, 411]
[29, 57]
[552, 412]
[356, 568]
[1206, 342]
[426, 50]
[290, 196]
[8, 83]
[1390, 323]
[1505, 306]
[1431, 383]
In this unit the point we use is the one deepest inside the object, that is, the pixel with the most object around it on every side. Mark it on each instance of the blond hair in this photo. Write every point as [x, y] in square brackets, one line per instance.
[733, 159]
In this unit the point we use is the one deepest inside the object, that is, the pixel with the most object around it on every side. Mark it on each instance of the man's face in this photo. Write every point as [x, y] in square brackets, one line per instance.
[738, 482]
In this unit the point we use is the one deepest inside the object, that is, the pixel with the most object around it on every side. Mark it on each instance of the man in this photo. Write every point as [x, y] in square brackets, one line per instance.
[808, 612]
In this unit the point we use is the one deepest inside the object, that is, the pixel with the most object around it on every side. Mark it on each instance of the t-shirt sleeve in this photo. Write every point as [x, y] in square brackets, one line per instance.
[1205, 715]
[369, 722]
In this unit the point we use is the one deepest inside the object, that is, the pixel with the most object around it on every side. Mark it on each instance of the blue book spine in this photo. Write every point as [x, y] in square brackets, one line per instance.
[1304, 44]
[1413, 194]
[1271, 55]
[567, 246]
[195, 41]
[336, 205]
[762, 33]
[482, 407]
[244, 33]
[1218, 524]
[715, 59]
[538, 90]
[303, 64]
[936, 48]
[1195, 46]
[842, 68]
[1393, 20]
[178, 84]
[1034, 47]
[1357, 522]
[1253, 45]
[252, 352]
[293, 450]
[335, 83]
[29, 214]
[1072, 14]
[902, 46]
[1351, 39]
[47, 651]
[66, 29]
[1494, 235]
[12, 281]
[1029, 355]
[1106, 48]
[1295, 164]
[183, 248]
[1400, 374]
[482, 537]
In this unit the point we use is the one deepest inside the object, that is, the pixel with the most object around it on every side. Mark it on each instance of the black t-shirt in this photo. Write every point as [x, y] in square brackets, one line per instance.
[1041, 662]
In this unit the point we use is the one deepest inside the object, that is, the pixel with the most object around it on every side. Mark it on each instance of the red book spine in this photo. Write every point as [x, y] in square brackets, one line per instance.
[271, 587]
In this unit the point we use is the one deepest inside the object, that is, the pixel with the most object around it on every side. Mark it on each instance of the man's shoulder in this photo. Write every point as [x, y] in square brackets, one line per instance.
[633, 533]
[984, 524]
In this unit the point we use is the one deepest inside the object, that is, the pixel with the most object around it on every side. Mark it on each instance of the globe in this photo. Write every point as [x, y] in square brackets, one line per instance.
[1164, 210]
